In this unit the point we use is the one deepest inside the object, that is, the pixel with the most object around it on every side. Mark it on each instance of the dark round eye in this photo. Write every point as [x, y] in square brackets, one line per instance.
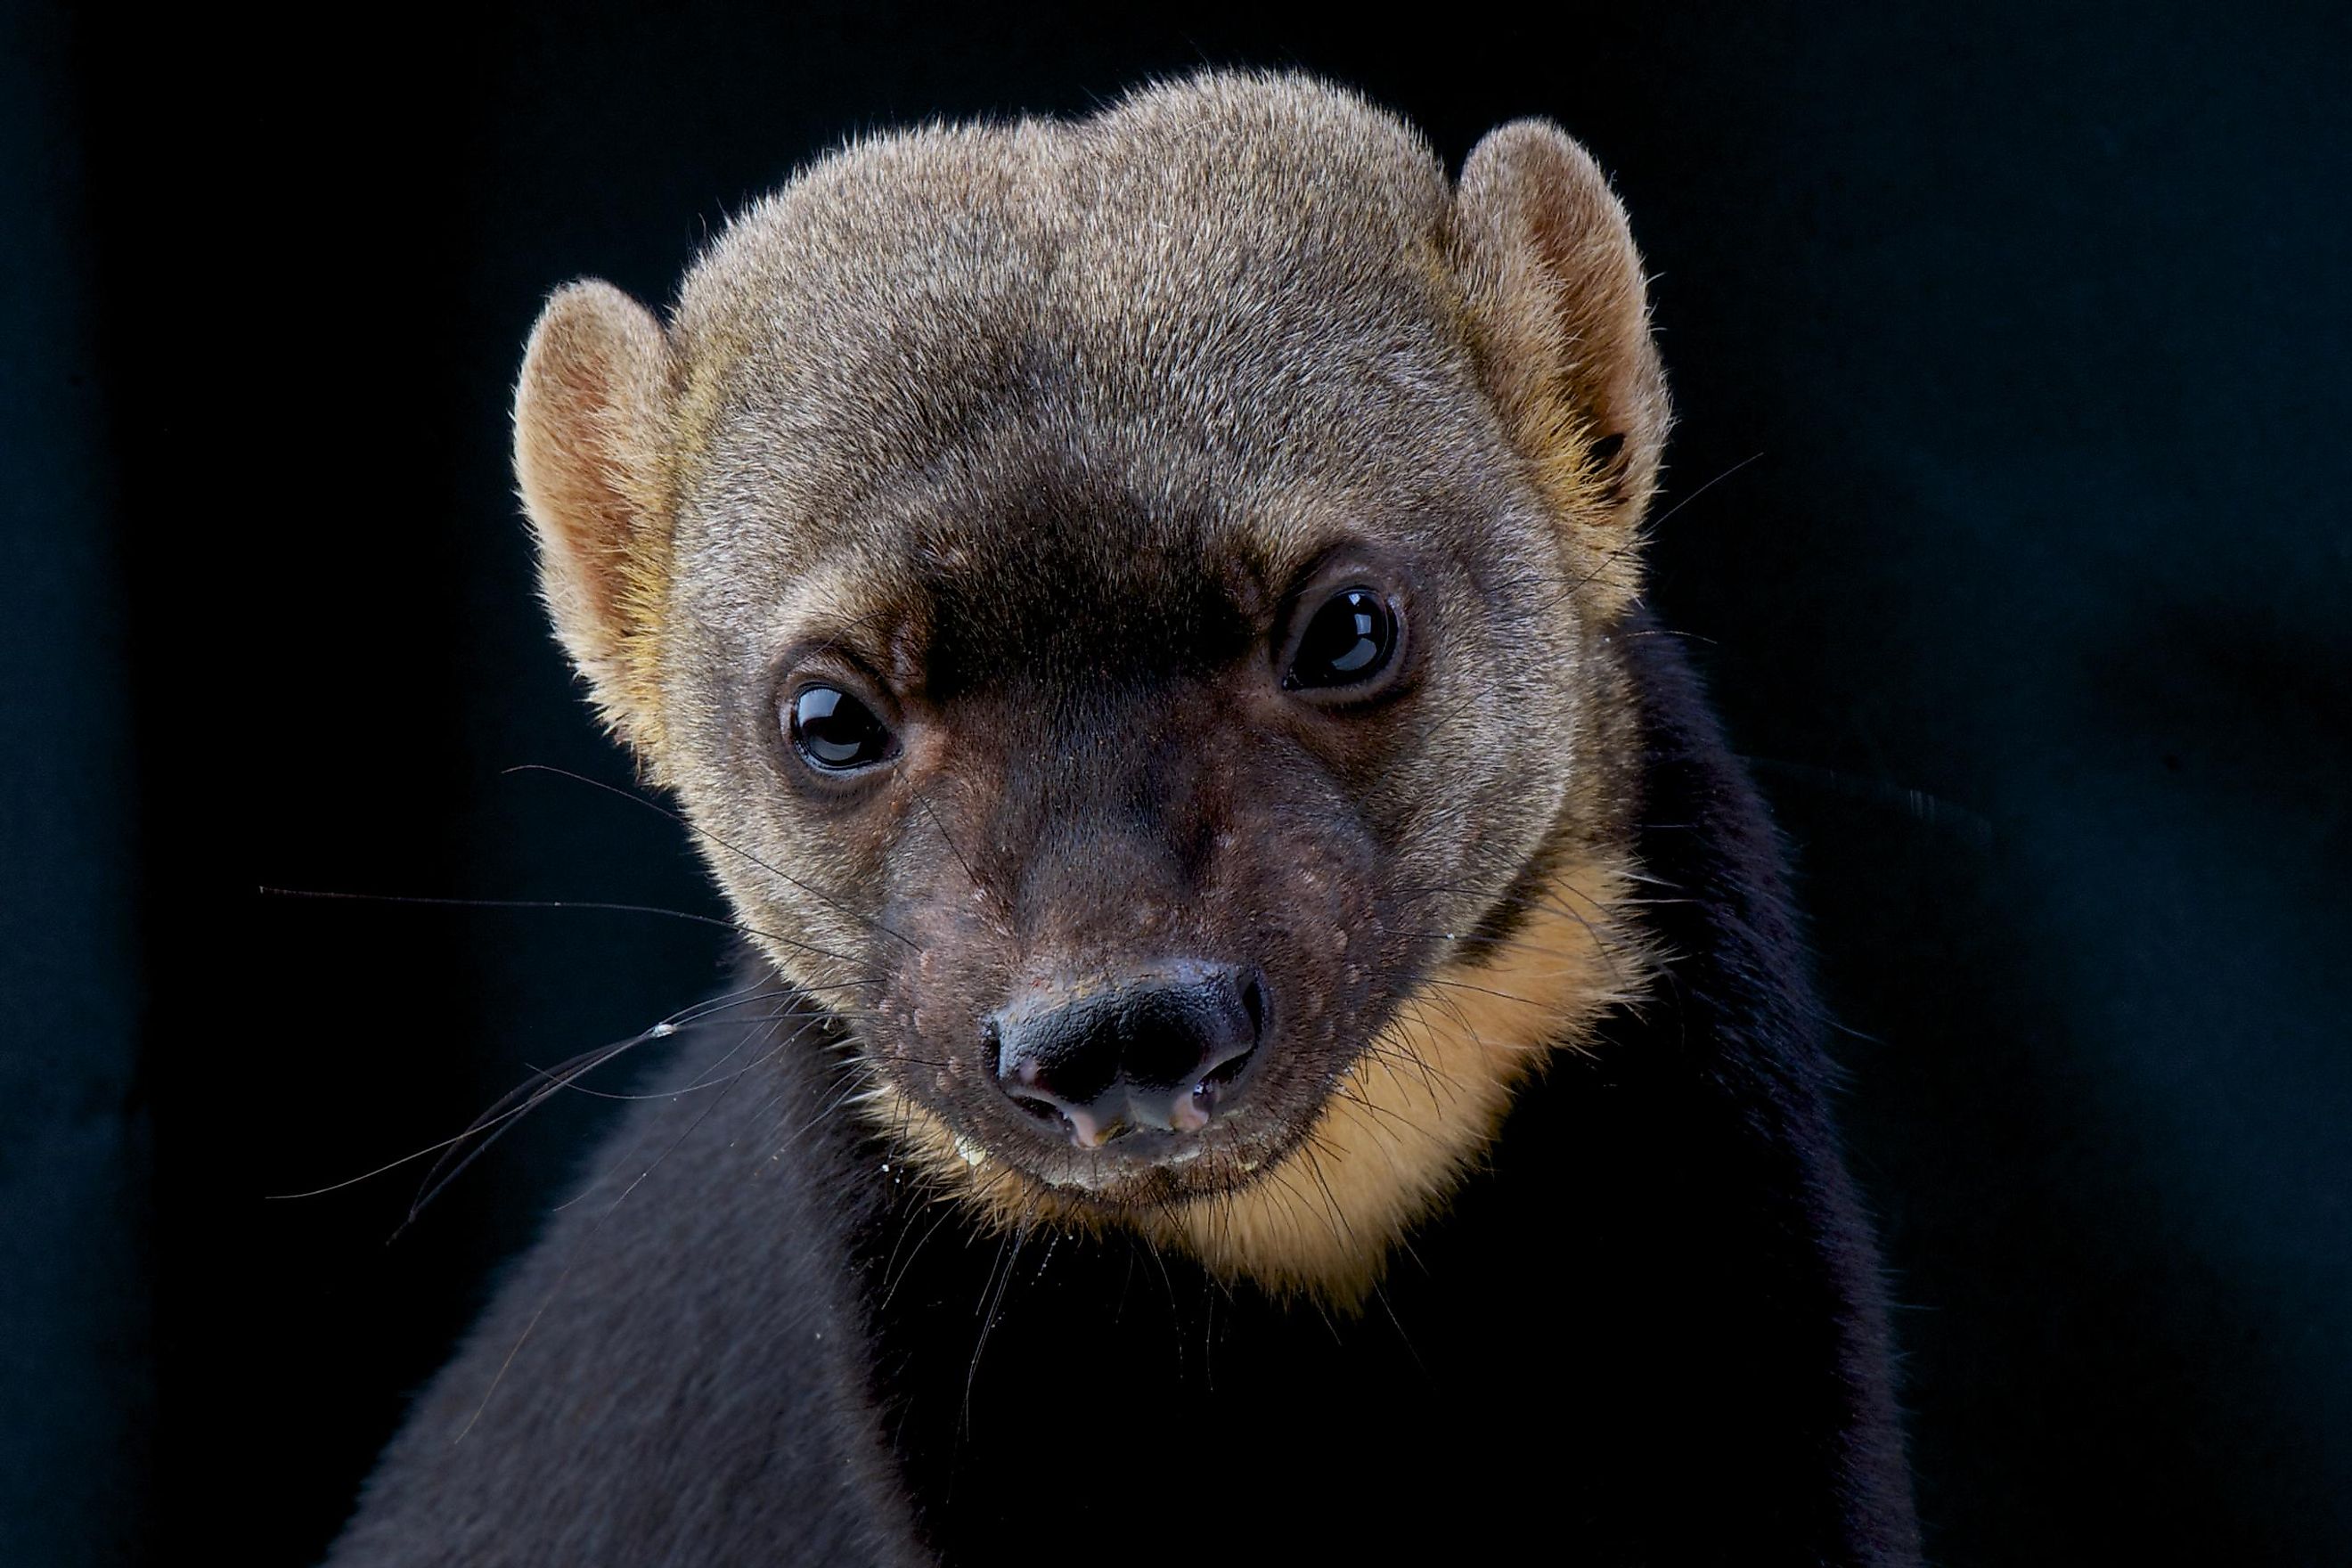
[1351, 640]
[834, 731]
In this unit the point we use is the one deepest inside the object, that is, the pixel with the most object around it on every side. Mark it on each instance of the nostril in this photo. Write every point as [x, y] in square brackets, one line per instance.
[1015, 1078]
[1224, 1066]
[1225, 1073]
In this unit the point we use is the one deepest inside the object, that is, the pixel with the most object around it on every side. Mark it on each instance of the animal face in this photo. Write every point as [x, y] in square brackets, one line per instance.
[1133, 820]
[1127, 606]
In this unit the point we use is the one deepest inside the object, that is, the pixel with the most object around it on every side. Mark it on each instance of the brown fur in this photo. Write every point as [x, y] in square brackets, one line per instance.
[1180, 349]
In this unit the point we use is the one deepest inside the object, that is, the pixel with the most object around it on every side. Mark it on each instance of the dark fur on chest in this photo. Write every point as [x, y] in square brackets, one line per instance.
[1648, 1331]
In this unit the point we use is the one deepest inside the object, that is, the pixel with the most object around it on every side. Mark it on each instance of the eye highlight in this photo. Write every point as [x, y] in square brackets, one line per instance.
[833, 731]
[1349, 641]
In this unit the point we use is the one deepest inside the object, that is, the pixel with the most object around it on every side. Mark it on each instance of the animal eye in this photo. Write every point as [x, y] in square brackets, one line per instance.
[1351, 640]
[834, 731]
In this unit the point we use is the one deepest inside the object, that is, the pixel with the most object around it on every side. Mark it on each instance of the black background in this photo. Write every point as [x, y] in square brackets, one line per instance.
[2008, 505]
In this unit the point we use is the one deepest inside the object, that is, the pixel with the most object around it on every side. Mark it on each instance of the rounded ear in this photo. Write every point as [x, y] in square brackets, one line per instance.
[592, 421]
[1561, 318]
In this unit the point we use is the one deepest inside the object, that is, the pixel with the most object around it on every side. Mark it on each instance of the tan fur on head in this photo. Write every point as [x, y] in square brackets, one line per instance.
[592, 412]
[1560, 315]
[1414, 1114]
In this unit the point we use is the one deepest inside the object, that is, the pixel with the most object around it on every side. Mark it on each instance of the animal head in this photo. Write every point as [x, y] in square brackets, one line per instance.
[1127, 604]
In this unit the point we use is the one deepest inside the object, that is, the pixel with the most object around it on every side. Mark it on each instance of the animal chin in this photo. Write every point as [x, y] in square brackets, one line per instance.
[1020, 1175]
[1148, 1168]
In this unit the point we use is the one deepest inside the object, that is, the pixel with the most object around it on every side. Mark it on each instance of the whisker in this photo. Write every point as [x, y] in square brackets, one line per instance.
[500, 1109]
[1008, 1256]
[1482, 989]
[812, 1014]
[697, 829]
[1342, 1090]
[973, 877]
[578, 1247]
[772, 1048]
[588, 904]
[1672, 512]
[892, 1273]
[440, 1178]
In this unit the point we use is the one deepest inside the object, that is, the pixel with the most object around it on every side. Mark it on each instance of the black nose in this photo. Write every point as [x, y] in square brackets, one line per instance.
[1162, 1049]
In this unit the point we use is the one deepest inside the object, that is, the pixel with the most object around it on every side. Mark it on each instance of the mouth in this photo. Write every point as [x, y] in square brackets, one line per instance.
[1141, 1166]
[1160, 1124]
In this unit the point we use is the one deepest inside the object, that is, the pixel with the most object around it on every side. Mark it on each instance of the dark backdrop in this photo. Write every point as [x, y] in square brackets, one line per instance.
[2006, 511]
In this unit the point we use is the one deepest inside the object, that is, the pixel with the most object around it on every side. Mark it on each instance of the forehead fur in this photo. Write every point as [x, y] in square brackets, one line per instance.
[1242, 274]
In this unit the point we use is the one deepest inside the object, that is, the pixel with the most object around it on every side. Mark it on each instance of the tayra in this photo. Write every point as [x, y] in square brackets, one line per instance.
[1272, 1029]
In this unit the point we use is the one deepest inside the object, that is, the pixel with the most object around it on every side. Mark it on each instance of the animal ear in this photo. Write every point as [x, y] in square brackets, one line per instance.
[593, 413]
[1562, 320]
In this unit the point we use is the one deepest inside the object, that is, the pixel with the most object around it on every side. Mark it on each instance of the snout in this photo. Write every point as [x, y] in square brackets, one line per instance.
[1167, 1049]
